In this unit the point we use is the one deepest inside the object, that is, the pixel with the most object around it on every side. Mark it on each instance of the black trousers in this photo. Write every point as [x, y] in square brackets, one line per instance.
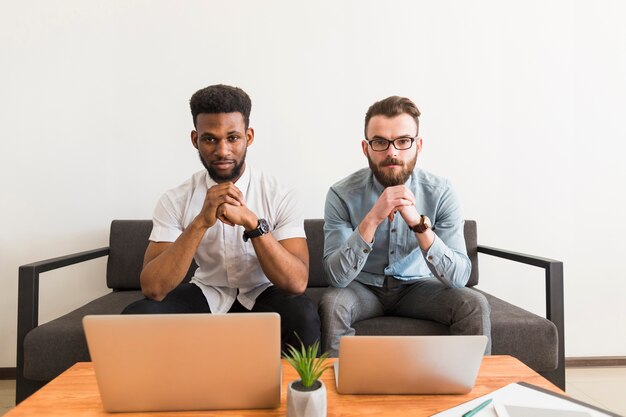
[298, 313]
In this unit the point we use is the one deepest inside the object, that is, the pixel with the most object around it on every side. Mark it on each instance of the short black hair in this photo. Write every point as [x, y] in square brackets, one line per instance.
[221, 98]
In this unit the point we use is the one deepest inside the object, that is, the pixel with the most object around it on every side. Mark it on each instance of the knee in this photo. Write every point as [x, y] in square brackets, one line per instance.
[337, 301]
[145, 306]
[474, 302]
[300, 313]
[302, 319]
[305, 310]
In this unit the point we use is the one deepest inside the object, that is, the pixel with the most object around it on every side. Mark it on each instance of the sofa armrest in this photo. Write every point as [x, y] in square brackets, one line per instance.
[554, 294]
[28, 284]
[28, 293]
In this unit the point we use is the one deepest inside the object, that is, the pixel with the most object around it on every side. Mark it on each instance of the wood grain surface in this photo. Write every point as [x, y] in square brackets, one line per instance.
[75, 393]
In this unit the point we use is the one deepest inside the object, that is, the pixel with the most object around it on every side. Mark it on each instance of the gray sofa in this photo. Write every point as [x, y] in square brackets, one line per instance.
[44, 351]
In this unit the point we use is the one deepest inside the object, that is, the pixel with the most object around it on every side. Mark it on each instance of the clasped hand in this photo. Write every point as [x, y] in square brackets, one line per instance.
[225, 202]
[396, 199]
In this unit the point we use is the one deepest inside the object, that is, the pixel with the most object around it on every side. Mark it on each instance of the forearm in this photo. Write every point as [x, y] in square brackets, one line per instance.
[164, 269]
[286, 270]
[344, 263]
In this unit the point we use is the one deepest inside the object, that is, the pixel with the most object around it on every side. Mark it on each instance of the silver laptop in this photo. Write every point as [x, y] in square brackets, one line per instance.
[408, 364]
[186, 361]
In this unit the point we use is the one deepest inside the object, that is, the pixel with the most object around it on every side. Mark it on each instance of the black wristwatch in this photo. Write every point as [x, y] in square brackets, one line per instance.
[261, 229]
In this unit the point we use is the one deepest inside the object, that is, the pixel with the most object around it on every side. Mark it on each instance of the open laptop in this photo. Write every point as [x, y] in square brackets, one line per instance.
[167, 362]
[408, 364]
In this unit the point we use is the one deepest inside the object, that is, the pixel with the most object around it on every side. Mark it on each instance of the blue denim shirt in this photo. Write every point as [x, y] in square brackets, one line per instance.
[395, 250]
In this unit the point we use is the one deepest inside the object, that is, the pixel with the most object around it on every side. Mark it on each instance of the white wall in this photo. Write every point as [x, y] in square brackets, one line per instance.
[521, 104]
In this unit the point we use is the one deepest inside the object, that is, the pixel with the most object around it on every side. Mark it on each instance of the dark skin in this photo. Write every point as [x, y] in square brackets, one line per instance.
[222, 140]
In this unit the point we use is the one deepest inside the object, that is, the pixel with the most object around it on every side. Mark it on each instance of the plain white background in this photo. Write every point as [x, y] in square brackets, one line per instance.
[522, 109]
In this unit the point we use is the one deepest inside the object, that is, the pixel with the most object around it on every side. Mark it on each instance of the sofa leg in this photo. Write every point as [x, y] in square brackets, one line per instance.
[24, 388]
[557, 377]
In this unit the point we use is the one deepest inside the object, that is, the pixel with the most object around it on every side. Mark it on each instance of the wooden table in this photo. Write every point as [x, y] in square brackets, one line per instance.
[75, 393]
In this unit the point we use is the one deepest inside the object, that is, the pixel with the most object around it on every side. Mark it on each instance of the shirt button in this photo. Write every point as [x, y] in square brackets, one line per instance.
[430, 258]
[392, 252]
[366, 250]
[393, 230]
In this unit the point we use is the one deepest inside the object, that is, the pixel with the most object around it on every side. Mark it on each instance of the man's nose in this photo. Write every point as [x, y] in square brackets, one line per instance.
[222, 147]
[391, 151]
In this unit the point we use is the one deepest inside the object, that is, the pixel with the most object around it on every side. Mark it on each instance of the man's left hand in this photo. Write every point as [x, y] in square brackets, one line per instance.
[410, 215]
[240, 215]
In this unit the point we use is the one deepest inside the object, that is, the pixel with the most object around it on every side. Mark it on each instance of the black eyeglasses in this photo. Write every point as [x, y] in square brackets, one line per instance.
[402, 144]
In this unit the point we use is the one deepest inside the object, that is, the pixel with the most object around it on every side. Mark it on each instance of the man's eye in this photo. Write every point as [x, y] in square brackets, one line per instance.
[233, 138]
[208, 139]
[403, 141]
[379, 142]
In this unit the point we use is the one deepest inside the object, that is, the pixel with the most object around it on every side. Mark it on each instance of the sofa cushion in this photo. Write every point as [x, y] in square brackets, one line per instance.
[314, 229]
[398, 326]
[471, 244]
[55, 346]
[315, 293]
[522, 334]
[128, 241]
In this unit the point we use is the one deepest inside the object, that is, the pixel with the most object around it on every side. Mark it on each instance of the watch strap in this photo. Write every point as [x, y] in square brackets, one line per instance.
[261, 229]
[423, 225]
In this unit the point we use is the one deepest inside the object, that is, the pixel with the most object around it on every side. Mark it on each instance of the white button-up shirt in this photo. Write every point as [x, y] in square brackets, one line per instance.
[228, 267]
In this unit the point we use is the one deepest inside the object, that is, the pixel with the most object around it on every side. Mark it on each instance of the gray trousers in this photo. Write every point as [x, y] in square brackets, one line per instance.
[464, 310]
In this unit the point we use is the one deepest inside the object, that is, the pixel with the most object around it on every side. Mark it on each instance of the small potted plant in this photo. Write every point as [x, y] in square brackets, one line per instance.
[306, 397]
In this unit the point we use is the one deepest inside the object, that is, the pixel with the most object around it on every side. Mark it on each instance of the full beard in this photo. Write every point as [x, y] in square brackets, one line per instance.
[390, 178]
[234, 173]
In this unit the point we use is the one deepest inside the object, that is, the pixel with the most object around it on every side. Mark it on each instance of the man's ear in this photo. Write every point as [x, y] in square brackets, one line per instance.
[194, 139]
[418, 143]
[249, 136]
[364, 145]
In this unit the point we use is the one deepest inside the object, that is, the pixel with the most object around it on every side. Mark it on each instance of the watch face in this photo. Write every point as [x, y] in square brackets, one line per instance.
[264, 226]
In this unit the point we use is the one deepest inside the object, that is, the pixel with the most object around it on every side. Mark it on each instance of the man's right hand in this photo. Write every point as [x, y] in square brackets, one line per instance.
[390, 201]
[216, 196]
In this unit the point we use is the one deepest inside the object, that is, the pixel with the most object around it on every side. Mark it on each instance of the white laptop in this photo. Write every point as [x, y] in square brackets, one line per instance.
[186, 361]
[408, 364]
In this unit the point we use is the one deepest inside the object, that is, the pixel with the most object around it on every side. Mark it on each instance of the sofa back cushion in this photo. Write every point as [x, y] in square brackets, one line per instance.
[471, 244]
[314, 229]
[129, 238]
[127, 245]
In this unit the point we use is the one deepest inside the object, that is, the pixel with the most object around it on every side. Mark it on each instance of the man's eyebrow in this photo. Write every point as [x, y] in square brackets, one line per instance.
[229, 133]
[407, 136]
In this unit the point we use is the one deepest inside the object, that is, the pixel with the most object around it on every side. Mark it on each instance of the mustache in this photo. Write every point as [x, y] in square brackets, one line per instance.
[391, 161]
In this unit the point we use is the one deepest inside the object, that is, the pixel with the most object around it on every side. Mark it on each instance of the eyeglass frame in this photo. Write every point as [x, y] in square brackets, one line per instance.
[391, 142]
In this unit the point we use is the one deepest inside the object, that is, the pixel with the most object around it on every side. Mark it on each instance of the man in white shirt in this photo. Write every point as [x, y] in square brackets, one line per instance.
[245, 231]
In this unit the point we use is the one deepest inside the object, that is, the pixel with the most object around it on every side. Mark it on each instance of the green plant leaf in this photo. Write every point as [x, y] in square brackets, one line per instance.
[305, 361]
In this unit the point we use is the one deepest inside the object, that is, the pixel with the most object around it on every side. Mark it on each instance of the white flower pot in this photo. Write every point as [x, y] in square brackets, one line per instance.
[306, 403]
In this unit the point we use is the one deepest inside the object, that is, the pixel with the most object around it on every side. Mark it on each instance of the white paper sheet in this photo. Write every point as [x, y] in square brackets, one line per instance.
[520, 396]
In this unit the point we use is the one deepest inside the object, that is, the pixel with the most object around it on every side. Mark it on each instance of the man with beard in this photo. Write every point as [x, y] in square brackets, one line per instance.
[244, 230]
[394, 240]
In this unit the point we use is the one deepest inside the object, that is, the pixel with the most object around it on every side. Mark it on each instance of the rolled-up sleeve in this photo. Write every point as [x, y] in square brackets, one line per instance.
[447, 256]
[345, 251]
